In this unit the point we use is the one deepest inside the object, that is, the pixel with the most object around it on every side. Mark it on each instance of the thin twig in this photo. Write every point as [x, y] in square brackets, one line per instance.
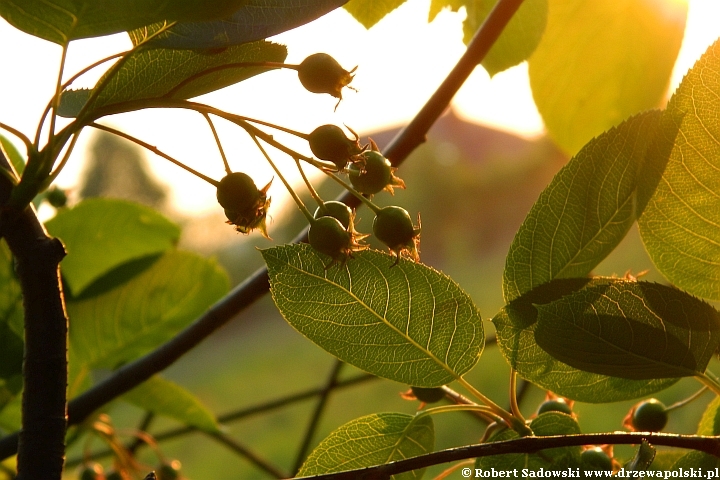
[527, 445]
[317, 414]
[247, 454]
[143, 427]
[217, 141]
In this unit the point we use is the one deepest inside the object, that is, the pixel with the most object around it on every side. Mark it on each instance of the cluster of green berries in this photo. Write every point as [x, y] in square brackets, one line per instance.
[332, 231]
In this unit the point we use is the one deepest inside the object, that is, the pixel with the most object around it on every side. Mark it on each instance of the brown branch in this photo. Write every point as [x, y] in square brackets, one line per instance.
[257, 285]
[41, 450]
[709, 445]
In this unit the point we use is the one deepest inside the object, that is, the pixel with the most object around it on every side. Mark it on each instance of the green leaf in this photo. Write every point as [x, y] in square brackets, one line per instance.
[131, 319]
[633, 330]
[177, 74]
[408, 323]
[373, 440]
[13, 154]
[546, 424]
[60, 21]
[437, 6]
[703, 461]
[518, 39]
[254, 20]
[679, 225]
[370, 12]
[163, 397]
[584, 213]
[516, 324]
[101, 234]
[11, 404]
[11, 323]
[73, 101]
[601, 62]
[710, 421]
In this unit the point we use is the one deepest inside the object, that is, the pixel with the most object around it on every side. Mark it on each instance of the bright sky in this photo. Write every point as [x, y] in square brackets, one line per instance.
[400, 63]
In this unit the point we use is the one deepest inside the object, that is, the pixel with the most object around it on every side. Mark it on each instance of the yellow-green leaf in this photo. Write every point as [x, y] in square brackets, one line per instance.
[600, 62]
[369, 12]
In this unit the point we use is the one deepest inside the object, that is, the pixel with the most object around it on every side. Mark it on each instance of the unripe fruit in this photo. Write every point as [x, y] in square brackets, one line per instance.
[328, 142]
[595, 459]
[245, 206]
[327, 235]
[337, 210]
[169, 471]
[56, 197]
[428, 395]
[648, 416]
[321, 73]
[93, 471]
[118, 475]
[555, 405]
[372, 174]
[393, 226]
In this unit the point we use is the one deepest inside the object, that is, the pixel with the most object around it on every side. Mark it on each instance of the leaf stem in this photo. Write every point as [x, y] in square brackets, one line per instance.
[709, 382]
[290, 190]
[513, 422]
[514, 408]
[56, 96]
[62, 163]
[357, 194]
[483, 409]
[311, 189]
[687, 400]
[20, 135]
[156, 151]
[217, 141]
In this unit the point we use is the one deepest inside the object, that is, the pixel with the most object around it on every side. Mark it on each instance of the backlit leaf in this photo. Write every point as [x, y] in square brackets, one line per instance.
[101, 234]
[369, 12]
[373, 440]
[169, 399]
[126, 321]
[176, 74]
[60, 21]
[546, 424]
[633, 330]
[518, 39]
[600, 62]
[710, 421]
[255, 20]
[408, 323]
[516, 324]
[680, 224]
[584, 213]
[13, 154]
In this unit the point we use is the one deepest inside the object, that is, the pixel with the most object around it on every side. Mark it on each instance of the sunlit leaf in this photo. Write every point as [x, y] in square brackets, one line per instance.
[60, 21]
[680, 224]
[255, 20]
[126, 321]
[373, 440]
[584, 213]
[13, 154]
[518, 39]
[101, 234]
[547, 424]
[369, 12]
[437, 6]
[163, 397]
[697, 460]
[516, 325]
[176, 74]
[633, 330]
[408, 323]
[600, 62]
[710, 421]
[73, 101]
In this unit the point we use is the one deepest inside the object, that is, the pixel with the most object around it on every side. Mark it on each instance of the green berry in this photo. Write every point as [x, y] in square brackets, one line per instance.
[327, 235]
[555, 405]
[595, 459]
[371, 173]
[93, 471]
[336, 210]
[169, 471]
[649, 416]
[428, 395]
[321, 73]
[393, 226]
[237, 192]
[328, 142]
[56, 197]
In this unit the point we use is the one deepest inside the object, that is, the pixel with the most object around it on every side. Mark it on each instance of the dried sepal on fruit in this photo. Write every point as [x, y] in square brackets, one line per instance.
[328, 142]
[328, 236]
[321, 73]
[245, 205]
[393, 226]
[371, 173]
